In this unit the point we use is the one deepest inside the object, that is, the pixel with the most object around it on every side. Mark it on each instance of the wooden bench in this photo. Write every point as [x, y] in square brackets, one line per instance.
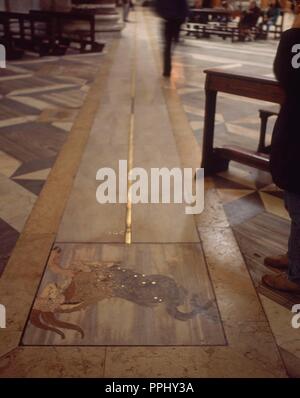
[36, 33]
[215, 160]
[275, 29]
[226, 28]
[45, 32]
[66, 35]
[264, 116]
[223, 30]
[12, 27]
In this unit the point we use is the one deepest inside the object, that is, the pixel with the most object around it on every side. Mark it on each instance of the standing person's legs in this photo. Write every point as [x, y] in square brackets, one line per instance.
[289, 282]
[172, 32]
[126, 9]
[177, 27]
[293, 206]
[168, 36]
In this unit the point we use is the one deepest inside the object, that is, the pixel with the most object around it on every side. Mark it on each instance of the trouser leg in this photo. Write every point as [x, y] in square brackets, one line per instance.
[168, 34]
[126, 9]
[176, 32]
[292, 202]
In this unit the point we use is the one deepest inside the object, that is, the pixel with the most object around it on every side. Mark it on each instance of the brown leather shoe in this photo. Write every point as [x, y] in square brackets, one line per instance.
[281, 261]
[281, 282]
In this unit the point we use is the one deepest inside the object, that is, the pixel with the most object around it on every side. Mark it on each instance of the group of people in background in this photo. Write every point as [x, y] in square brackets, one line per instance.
[250, 17]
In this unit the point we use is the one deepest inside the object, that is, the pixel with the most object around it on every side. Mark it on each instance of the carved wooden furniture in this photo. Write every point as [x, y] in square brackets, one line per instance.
[85, 37]
[12, 28]
[218, 22]
[265, 89]
[46, 32]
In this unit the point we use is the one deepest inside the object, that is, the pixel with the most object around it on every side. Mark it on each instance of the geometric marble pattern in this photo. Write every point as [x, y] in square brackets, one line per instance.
[259, 220]
[249, 348]
[260, 223]
[39, 101]
[253, 205]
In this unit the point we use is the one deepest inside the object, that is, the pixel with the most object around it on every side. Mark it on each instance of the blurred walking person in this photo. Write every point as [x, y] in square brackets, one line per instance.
[126, 8]
[174, 13]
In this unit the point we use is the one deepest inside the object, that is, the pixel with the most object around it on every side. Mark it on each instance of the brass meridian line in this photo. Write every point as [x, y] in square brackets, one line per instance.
[128, 231]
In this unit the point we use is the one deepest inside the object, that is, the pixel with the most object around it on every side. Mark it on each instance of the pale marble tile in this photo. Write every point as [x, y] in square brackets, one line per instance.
[230, 66]
[16, 67]
[188, 90]
[197, 125]
[36, 90]
[52, 362]
[213, 214]
[66, 126]
[229, 195]
[247, 120]
[12, 212]
[223, 60]
[58, 115]
[292, 363]
[274, 205]
[33, 102]
[242, 131]
[201, 112]
[272, 188]
[15, 77]
[249, 48]
[17, 120]
[240, 99]
[20, 281]
[64, 99]
[196, 362]
[280, 319]
[8, 164]
[244, 321]
[36, 175]
[9, 340]
[194, 110]
[240, 176]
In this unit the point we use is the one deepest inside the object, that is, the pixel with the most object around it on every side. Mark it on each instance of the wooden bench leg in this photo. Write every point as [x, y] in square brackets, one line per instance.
[263, 129]
[211, 162]
[264, 117]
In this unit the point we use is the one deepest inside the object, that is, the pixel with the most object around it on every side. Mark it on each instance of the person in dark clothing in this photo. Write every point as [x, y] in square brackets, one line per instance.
[272, 13]
[285, 156]
[174, 13]
[249, 20]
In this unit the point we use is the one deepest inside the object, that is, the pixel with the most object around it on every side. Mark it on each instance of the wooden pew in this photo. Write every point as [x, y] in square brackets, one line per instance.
[45, 32]
[12, 26]
[220, 29]
[36, 33]
[215, 160]
[274, 29]
[207, 22]
[85, 37]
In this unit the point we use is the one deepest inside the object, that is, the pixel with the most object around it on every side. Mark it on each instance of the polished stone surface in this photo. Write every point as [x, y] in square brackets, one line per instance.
[255, 328]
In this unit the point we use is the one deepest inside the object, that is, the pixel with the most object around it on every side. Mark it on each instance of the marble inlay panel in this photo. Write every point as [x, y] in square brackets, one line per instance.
[140, 294]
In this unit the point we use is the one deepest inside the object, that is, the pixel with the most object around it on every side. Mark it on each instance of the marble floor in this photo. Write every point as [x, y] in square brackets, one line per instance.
[144, 290]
